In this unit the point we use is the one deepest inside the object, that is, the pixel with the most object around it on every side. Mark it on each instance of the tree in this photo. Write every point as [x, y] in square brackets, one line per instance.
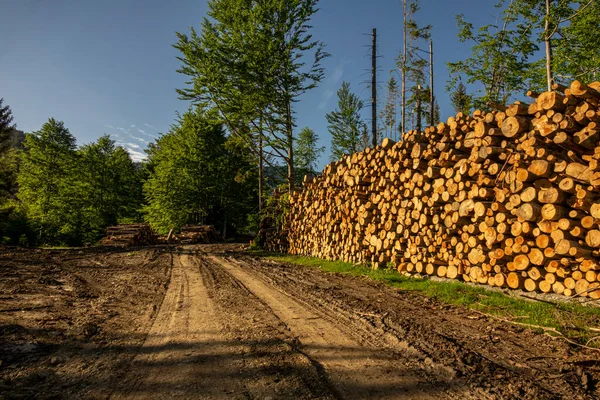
[8, 160]
[111, 186]
[571, 38]
[506, 59]
[6, 126]
[345, 124]
[410, 63]
[195, 178]
[308, 151]
[500, 56]
[48, 184]
[249, 64]
[389, 112]
[461, 101]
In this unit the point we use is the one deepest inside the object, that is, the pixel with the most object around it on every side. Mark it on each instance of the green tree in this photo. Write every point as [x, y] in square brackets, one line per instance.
[8, 160]
[111, 186]
[196, 178]
[389, 112]
[460, 99]
[506, 59]
[308, 151]
[48, 184]
[500, 61]
[345, 124]
[410, 62]
[249, 63]
[6, 126]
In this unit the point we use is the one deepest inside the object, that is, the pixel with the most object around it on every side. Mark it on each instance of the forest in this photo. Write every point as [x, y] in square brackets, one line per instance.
[246, 67]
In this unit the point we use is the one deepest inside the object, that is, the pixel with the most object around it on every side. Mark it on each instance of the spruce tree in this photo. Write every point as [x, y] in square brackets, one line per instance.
[307, 151]
[49, 185]
[345, 124]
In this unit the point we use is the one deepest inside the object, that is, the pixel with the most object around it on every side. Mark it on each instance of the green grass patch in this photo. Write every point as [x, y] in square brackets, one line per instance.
[573, 320]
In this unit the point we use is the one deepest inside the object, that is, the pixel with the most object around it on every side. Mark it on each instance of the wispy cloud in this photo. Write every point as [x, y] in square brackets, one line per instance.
[325, 97]
[136, 156]
[149, 126]
[332, 83]
[139, 138]
[133, 143]
[133, 146]
[143, 132]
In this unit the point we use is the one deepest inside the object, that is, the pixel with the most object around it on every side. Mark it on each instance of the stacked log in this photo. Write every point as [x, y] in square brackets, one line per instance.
[197, 234]
[127, 235]
[507, 198]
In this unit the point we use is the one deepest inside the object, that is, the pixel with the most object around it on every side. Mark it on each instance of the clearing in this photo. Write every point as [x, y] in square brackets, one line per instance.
[211, 322]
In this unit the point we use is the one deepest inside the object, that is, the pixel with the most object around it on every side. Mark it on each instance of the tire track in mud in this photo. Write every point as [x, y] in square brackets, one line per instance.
[493, 359]
[212, 340]
[182, 346]
[355, 369]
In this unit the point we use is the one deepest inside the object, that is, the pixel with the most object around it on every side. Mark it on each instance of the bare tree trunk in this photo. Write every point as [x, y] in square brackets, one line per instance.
[260, 170]
[404, 72]
[418, 108]
[431, 96]
[548, 47]
[290, 139]
[374, 89]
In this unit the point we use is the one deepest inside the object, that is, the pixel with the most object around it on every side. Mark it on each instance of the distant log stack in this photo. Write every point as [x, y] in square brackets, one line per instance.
[196, 234]
[126, 235]
[507, 198]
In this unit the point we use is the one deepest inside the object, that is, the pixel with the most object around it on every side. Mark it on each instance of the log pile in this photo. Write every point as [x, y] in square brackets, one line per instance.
[196, 234]
[127, 235]
[507, 198]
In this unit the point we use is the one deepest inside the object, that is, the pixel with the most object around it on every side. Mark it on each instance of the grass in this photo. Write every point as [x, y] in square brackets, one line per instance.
[572, 320]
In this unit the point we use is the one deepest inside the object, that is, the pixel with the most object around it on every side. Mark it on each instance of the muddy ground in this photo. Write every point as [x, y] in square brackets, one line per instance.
[211, 322]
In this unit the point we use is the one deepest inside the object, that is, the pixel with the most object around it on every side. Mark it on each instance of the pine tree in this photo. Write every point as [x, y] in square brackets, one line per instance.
[345, 124]
[308, 151]
[461, 101]
[389, 112]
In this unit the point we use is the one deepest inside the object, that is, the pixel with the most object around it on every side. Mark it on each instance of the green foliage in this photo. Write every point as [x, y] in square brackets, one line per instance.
[196, 178]
[576, 39]
[249, 63]
[345, 124]
[507, 59]
[307, 151]
[111, 187]
[6, 126]
[7, 154]
[14, 225]
[572, 320]
[49, 188]
[461, 101]
[413, 67]
[389, 112]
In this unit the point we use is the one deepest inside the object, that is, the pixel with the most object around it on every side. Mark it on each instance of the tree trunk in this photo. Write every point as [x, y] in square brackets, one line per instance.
[260, 171]
[548, 47]
[290, 139]
[404, 72]
[374, 89]
[431, 96]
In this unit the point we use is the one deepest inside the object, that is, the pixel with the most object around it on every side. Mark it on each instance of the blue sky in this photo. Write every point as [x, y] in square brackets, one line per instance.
[109, 67]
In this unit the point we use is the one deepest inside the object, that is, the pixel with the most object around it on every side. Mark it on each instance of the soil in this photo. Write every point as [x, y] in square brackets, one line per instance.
[211, 322]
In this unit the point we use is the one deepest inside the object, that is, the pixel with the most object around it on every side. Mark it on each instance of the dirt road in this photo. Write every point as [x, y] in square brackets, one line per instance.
[234, 326]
